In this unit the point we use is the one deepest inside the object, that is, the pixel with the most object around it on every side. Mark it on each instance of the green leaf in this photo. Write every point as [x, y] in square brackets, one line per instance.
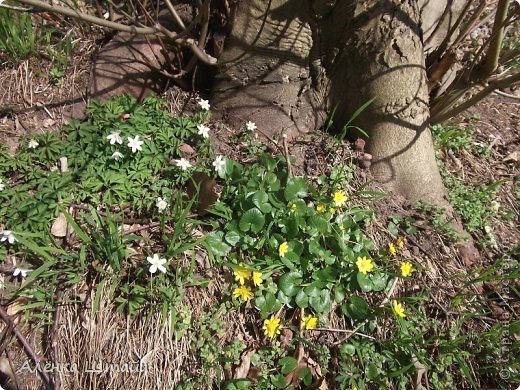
[356, 308]
[267, 304]
[97, 296]
[305, 374]
[302, 300]
[253, 220]
[364, 282]
[347, 350]
[288, 364]
[232, 237]
[321, 224]
[289, 283]
[371, 371]
[295, 188]
[261, 200]
[279, 381]
[214, 243]
[321, 302]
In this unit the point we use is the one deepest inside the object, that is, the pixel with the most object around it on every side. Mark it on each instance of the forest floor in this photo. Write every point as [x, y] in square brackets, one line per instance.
[472, 322]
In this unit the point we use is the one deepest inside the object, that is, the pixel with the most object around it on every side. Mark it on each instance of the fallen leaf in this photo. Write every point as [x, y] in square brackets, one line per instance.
[243, 369]
[59, 227]
[186, 149]
[512, 157]
[419, 373]
[207, 192]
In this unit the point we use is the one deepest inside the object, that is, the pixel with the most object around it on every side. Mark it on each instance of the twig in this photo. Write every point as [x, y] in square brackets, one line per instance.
[501, 83]
[52, 337]
[493, 54]
[27, 348]
[175, 15]
[13, 369]
[287, 157]
[343, 331]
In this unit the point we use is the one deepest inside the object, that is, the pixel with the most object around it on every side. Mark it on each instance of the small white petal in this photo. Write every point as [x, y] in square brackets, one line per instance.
[204, 104]
[183, 163]
[115, 137]
[33, 144]
[135, 143]
[251, 126]
[203, 130]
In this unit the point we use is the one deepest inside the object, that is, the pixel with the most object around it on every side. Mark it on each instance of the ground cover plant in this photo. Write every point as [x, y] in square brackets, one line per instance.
[113, 204]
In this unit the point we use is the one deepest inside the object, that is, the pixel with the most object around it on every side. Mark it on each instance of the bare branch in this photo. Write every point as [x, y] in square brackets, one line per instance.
[175, 15]
[497, 84]
[491, 62]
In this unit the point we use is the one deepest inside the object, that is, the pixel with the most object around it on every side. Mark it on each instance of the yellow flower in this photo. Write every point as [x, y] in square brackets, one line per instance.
[340, 198]
[321, 208]
[398, 309]
[272, 326]
[283, 248]
[257, 278]
[241, 274]
[406, 269]
[364, 265]
[243, 292]
[391, 249]
[331, 210]
[294, 207]
[400, 242]
[309, 322]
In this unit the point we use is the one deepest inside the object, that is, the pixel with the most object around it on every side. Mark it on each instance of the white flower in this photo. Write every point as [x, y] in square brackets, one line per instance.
[251, 126]
[203, 130]
[156, 264]
[115, 137]
[2, 185]
[183, 163]
[19, 271]
[135, 144]
[106, 15]
[9, 236]
[219, 164]
[204, 104]
[161, 204]
[33, 144]
[117, 155]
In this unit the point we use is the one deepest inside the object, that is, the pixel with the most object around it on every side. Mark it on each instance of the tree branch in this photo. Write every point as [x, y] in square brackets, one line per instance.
[501, 83]
[491, 62]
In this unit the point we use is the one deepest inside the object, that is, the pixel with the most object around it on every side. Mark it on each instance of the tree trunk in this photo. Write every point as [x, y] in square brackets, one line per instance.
[270, 70]
[380, 55]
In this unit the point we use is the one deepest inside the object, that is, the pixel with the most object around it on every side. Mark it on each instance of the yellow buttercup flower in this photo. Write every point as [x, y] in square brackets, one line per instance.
[272, 326]
[309, 322]
[294, 207]
[398, 309]
[283, 248]
[243, 292]
[364, 265]
[340, 198]
[241, 274]
[391, 249]
[406, 269]
[331, 210]
[257, 278]
[400, 242]
[321, 208]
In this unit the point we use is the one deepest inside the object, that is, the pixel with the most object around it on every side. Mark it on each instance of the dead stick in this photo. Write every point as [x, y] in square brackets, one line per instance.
[27, 348]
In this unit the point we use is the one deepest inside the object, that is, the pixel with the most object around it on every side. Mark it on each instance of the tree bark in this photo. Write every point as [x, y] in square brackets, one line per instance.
[380, 55]
[270, 70]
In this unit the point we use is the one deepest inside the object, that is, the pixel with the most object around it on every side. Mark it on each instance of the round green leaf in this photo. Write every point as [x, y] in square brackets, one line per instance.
[288, 364]
[364, 282]
[232, 237]
[253, 220]
[295, 188]
[289, 283]
[302, 300]
[216, 245]
[321, 302]
[356, 308]
[347, 350]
